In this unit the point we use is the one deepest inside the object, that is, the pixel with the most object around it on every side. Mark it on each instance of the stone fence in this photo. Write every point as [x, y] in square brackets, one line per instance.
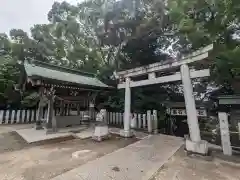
[139, 121]
[18, 116]
[115, 119]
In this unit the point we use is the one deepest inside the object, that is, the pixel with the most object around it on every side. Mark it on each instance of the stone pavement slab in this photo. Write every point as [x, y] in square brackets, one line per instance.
[137, 134]
[32, 135]
[87, 133]
[138, 161]
[13, 127]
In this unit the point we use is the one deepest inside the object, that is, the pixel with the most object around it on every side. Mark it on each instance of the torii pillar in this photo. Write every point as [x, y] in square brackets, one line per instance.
[194, 143]
[126, 132]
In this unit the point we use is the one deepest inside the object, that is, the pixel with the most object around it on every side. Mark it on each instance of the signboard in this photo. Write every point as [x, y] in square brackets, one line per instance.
[182, 112]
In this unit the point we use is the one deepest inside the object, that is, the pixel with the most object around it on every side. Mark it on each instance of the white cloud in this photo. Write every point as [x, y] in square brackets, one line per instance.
[23, 14]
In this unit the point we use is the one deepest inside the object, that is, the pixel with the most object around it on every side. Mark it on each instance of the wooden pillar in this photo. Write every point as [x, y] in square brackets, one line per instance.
[54, 120]
[49, 116]
[68, 109]
[78, 109]
[40, 111]
[39, 116]
[65, 109]
[62, 108]
[51, 119]
[92, 108]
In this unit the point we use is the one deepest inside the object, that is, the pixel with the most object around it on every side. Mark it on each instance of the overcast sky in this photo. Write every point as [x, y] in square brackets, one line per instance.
[23, 14]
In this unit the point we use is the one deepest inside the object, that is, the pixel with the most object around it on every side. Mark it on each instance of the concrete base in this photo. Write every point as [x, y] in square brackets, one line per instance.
[155, 131]
[101, 133]
[126, 134]
[33, 136]
[197, 147]
[51, 131]
[38, 126]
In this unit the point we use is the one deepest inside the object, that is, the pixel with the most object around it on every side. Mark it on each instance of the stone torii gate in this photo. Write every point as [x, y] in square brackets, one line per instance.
[181, 71]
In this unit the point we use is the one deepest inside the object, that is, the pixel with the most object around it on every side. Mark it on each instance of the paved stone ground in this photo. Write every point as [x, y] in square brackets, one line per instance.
[87, 133]
[32, 135]
[182, 167]
[138, 161]
[9, 128]
[138, 134]
[21, 161]
[43, 162]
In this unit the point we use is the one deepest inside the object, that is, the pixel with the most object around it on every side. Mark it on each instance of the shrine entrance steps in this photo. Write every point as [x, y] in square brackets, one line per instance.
[138, 161]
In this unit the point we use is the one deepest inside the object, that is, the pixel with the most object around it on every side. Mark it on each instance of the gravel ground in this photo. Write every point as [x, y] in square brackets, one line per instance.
[11, 141]
[20, 161]
[182, 167]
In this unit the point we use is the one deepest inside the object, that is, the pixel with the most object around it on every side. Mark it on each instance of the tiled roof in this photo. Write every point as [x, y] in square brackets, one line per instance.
[70, 76]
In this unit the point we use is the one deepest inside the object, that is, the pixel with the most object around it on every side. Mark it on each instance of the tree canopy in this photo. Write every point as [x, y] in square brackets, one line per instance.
[102, 36]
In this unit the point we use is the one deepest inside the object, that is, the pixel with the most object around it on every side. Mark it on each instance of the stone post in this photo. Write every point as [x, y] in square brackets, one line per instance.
[194, 144]
[101, 131]
[134, 121]
[225, 137]
[126, 132]
[155, 122]
[239, 130]
[105, 117]
[149, 121]
[144, 121]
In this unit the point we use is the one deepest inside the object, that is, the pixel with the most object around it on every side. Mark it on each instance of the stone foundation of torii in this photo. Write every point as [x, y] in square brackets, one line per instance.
[182, 73]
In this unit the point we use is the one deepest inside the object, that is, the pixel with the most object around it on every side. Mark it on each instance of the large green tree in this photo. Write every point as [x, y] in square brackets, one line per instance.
[103, 36]
[198, 23]
[8, 72]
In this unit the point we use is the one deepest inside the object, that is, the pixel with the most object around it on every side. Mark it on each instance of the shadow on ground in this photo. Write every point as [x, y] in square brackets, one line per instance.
[182, 167]
[21, 161]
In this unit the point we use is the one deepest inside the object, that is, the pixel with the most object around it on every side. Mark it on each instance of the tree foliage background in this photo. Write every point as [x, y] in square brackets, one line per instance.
[103, 36]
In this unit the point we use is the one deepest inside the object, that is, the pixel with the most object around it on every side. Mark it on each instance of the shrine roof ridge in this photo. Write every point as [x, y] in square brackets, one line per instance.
[39, 71]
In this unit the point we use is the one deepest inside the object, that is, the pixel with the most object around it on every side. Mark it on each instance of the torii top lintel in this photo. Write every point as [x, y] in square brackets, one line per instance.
[196, 56]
